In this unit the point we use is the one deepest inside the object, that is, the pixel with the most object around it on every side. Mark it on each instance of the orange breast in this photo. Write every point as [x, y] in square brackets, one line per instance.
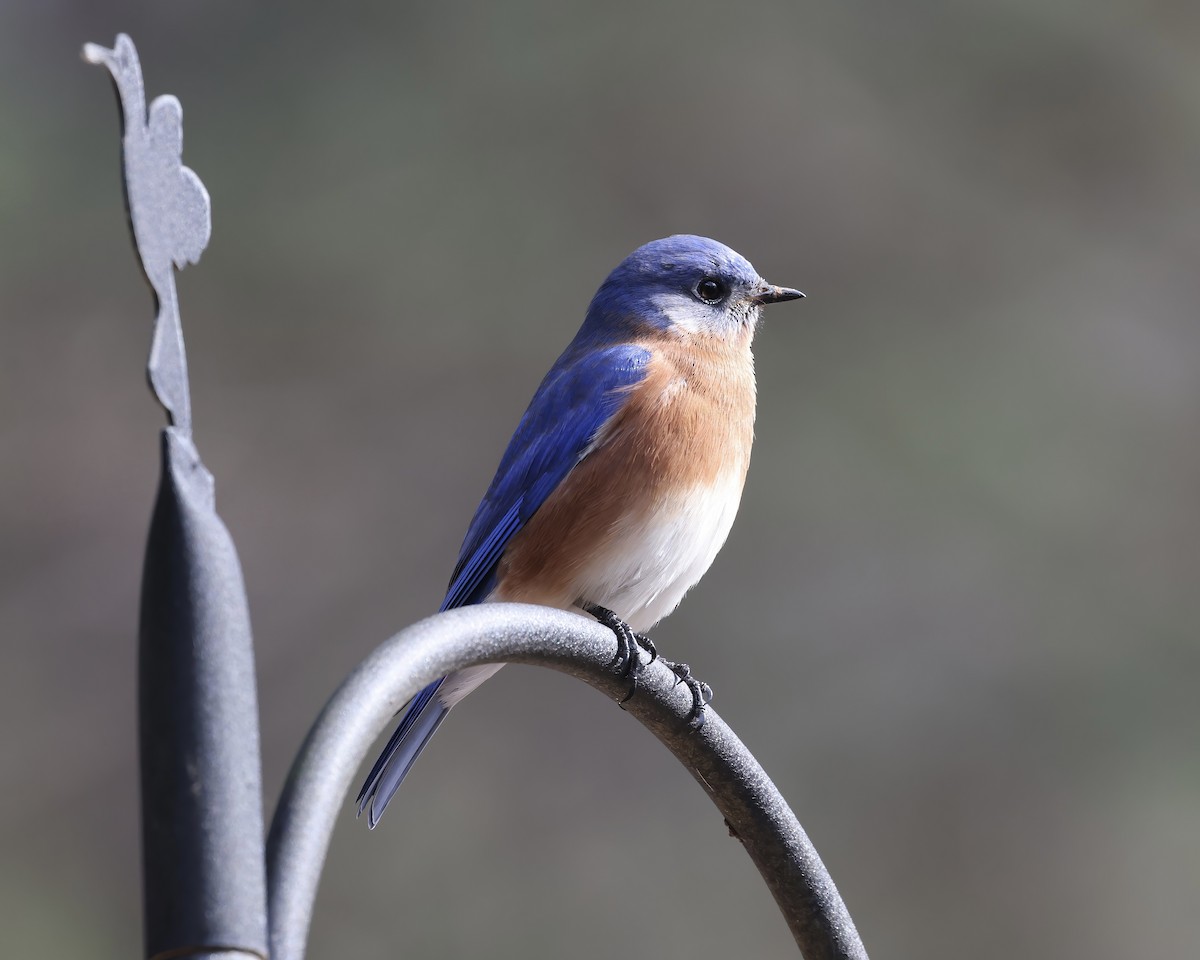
[689, 423]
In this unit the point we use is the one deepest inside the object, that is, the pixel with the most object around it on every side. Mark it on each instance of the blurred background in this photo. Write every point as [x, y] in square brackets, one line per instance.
[957, 617]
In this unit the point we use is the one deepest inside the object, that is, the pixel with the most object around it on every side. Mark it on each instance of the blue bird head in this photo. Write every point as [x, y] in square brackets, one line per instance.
[685, 285]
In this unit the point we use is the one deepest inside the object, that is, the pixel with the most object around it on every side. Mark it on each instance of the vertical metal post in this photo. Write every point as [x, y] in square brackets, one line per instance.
[202, 823]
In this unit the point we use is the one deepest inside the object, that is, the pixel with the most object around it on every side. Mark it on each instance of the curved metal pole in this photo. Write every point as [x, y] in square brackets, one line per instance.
[365, 704]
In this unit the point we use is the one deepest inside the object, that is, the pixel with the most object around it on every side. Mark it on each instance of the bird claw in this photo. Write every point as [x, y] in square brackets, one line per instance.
[647, 644]
[702, 693]
[628, 662]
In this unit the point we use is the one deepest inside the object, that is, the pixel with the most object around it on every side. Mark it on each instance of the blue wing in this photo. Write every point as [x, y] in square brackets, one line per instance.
[580, 394]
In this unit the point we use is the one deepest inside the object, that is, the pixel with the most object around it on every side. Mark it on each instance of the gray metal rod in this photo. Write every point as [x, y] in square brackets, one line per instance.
[321, 778]
[204, 881]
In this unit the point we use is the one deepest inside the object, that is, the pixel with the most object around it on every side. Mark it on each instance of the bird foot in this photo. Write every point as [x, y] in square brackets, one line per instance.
[702, 693]
[628, 662]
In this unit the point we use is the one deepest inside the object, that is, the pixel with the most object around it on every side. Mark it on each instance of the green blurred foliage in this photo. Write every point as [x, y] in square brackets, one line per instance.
[957, 617]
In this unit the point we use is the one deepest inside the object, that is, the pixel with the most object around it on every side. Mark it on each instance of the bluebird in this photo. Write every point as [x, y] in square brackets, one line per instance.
[624, 475]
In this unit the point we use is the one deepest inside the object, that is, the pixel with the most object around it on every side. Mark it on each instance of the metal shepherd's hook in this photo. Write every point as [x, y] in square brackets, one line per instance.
[206, 879]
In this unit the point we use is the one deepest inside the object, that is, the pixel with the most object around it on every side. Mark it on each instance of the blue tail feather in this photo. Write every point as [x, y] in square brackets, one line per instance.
[422, 718]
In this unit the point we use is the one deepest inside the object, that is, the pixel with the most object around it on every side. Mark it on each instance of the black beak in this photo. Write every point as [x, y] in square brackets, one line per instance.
[772, 294]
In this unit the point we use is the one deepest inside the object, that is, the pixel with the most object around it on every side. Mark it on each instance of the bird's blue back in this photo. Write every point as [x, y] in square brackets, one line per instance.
[582, 391]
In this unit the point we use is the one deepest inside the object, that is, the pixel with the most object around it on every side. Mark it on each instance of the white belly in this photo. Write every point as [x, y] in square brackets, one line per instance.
[655, 559]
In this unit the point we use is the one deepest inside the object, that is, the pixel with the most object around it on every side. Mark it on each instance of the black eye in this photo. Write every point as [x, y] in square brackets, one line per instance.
[712, 290]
